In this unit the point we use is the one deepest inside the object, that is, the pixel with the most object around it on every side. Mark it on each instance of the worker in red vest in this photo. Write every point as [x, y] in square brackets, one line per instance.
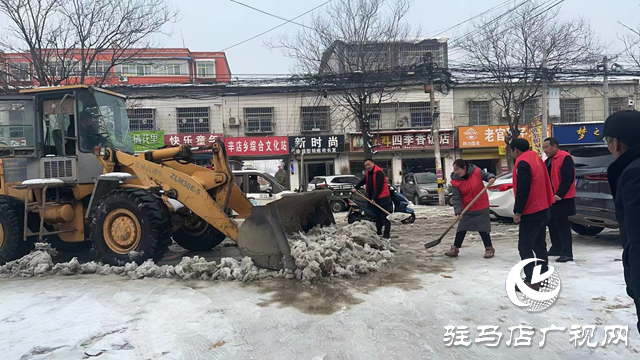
[467, 182]
[377, 191]
[534, 196]
[563, 182]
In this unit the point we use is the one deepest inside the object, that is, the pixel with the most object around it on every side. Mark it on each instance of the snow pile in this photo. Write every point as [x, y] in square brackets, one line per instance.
[339, 250]
[42, 182]
[442, 213]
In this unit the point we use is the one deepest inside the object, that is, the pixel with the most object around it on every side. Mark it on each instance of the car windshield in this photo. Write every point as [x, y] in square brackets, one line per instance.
[426, 178]
[592, 156]
[505, 176]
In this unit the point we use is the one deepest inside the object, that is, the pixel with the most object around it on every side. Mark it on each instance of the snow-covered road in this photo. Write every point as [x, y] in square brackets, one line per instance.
[398, 313]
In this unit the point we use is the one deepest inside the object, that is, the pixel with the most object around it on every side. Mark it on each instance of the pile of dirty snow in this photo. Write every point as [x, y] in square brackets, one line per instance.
[334, 251]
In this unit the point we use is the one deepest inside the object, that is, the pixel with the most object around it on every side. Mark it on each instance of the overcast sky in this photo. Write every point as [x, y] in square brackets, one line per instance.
[215, 25]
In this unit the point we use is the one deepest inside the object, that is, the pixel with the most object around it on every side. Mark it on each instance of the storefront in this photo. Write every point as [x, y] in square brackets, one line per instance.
[403, 152]
[574, 135]
[320, 155]
[485, 146]
[202, 158]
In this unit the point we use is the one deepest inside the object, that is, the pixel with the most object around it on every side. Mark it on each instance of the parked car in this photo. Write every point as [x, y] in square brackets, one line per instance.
[595, 209]
[334, 181]
[501, 199]
[421, 188]
[259, 187]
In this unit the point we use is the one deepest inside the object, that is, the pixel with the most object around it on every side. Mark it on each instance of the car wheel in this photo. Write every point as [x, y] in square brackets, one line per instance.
[586, 229]
[410, 220]
[416, 200]
[337, 206]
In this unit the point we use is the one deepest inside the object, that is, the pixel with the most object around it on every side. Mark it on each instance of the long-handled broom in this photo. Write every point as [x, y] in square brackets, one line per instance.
[437, 242]
[395, 217]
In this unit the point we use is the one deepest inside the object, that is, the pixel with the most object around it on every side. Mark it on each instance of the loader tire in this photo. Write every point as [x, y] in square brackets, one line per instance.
[130, 225]
[12, 244]
[203, 237]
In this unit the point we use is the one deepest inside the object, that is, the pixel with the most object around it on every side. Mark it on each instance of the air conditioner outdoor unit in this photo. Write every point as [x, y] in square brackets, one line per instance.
[233, 122]
[123, 79]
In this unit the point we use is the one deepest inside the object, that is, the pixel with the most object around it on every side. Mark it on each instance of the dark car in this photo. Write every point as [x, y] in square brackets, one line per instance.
[421, 188]
[595, 209]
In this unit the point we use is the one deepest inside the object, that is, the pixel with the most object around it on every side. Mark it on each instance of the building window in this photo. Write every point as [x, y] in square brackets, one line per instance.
[98, 68]
[174, 70]
[144, 70]
[258, 120]
[420, 114]
[193, 120]
[206, 69]
[530, 111]
[617, 104]
[570, 110]
[126, 70]
[141, 119]
[479, 113]
[19, 71]
[314, 118]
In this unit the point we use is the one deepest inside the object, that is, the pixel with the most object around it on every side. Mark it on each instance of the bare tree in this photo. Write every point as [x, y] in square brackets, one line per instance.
[352, 52]
[71, 41]
[631, 40]
[510, 50]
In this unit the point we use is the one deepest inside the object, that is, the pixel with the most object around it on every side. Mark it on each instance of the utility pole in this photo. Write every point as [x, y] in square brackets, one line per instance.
[605, 86]
[435, 128]
[545, 97]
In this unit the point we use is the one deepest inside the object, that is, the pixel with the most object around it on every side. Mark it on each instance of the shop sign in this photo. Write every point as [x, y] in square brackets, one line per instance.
[577, 133]
[147, 140]
[321, 144]
[404, 140]
[487, 136]
[191, 139]
[264, 146]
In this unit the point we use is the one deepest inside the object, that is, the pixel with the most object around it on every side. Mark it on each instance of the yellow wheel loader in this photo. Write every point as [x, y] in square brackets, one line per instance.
[69, 176]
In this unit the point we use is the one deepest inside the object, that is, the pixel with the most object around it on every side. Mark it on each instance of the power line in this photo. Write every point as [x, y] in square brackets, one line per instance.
[469, 19]
[275, 27]
[270, 14]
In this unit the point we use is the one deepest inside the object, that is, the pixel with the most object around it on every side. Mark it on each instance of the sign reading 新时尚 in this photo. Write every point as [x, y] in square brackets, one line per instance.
[404, 140]
[487, 136]
[261, 146]
[321, 144]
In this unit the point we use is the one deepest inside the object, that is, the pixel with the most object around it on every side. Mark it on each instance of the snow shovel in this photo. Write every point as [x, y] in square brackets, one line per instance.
[395, 217]
[437, 242]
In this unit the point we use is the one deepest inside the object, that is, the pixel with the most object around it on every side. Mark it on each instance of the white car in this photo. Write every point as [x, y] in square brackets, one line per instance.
[259, 187]
[334, 181]
[501, 198]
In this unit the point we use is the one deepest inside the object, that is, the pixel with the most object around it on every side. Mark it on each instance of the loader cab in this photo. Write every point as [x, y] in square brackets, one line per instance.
[53, 131]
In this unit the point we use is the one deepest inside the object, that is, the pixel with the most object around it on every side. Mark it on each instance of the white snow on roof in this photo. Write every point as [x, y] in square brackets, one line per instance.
[42, 182]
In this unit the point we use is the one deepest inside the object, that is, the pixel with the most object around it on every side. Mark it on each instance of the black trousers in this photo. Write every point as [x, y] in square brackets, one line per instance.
[531, 240]
[486, 239]
[381, 218]
[561, 238]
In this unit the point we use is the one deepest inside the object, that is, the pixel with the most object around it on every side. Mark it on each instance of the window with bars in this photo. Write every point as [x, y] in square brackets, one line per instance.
[480, 113]
[19, 71]
[420, 114]
[258, 120]
[531, 110]
[314, 118]
[570, 110]
[193, 120]
[141, 119]
[617, 104]
[206, 69]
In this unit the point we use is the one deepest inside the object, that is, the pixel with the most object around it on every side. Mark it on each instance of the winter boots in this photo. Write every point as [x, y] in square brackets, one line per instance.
[488, 252]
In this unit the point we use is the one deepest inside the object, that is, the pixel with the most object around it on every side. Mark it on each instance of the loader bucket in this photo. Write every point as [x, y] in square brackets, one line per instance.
[263, 235]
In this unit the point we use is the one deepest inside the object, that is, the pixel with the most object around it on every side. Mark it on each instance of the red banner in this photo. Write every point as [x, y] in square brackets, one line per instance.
[404, 140]
[190, 139]
[265, 146]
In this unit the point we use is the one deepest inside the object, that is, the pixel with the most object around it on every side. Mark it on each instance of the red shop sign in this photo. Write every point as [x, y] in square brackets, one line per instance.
[190, 139]
[270, 145]
[414, 140]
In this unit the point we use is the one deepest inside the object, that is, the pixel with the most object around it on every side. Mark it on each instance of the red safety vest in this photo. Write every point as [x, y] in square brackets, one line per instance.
[541, 194]
[470, 188]
[556, 177]
[385, 187]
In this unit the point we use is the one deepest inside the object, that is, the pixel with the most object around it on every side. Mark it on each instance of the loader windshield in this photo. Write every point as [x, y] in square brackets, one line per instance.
[103, 121]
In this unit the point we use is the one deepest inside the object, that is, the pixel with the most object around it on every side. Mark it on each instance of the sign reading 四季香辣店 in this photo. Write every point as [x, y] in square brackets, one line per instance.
[261, 146]
[404, 140]
[321, 144]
